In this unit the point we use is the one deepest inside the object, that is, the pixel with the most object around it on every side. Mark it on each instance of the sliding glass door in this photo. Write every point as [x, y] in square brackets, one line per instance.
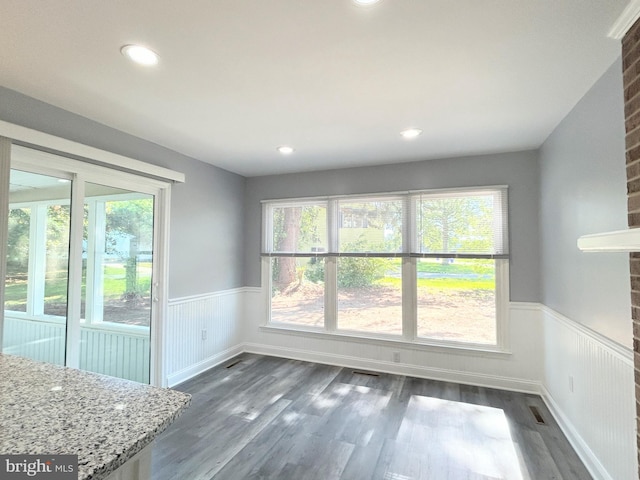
[81, 288]
[117, 271]
[37, 267]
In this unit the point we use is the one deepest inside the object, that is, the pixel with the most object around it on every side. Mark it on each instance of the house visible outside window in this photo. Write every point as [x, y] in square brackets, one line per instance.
[424, 267]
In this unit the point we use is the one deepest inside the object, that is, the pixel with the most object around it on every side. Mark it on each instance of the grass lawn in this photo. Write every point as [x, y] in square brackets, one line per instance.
[444, 283]
[481, 275]
[56, 287]
[478, 267]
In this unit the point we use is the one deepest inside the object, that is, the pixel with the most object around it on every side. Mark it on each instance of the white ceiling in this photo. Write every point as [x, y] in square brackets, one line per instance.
[237, 78]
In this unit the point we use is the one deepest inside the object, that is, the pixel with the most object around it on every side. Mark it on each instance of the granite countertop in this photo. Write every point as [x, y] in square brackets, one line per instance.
[48, 409]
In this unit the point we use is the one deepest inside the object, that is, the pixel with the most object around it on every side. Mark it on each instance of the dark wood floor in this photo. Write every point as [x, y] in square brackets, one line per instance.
[272, 418]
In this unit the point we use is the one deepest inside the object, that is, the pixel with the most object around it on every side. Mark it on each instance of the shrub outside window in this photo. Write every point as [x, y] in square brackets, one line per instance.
[425, 267]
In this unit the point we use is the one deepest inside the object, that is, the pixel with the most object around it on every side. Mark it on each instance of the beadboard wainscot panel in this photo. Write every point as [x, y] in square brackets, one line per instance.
[202, 331]
[116, 350]
[588, 384]
[122, 352]
[519, 370]
[41, 340]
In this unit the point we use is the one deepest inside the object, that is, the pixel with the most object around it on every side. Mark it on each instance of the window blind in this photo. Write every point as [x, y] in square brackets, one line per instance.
[461, 223]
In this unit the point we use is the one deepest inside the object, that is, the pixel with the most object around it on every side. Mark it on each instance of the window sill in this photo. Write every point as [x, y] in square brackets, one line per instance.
[390, 341]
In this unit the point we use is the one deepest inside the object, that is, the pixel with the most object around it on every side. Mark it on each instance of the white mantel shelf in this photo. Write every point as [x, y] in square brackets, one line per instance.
[618, 241]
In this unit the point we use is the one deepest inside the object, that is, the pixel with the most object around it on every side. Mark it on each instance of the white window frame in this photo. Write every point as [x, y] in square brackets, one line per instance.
[409, 278]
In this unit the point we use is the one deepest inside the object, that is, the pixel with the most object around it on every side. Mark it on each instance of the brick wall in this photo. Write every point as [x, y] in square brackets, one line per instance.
[631, 75]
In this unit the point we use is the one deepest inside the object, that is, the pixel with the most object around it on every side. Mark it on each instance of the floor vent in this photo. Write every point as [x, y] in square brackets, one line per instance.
[536, 415]
[371, 374]
[233, 364]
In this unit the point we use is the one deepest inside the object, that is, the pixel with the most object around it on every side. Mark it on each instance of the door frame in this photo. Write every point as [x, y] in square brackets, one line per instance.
[80, 171]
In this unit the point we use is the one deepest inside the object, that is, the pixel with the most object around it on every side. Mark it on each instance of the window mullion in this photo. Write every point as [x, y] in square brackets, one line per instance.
[36, 277]
[96, 229]
[502, 303]
[409, 276]
[445, 314]
[331, 270]
[409, 299]
[5, 173]
[330, 294]
[74, 295]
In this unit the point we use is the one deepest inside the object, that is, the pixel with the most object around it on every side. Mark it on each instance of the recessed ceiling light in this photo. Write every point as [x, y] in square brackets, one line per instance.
[285, 150]
[411, 133]
[365, 2]
[140, 55]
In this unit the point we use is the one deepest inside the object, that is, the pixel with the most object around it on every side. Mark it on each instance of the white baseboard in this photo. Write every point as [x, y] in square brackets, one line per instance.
[589, 389]
[585, 379]
[201, 367]
[588, 457]
[480, 380]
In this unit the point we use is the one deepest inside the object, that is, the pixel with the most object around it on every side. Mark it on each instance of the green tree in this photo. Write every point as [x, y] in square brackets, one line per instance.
[377, 223]
[58, 225]
[449, 225]
[294, 229]
[132, 218]
[360, 271]
[18, 242]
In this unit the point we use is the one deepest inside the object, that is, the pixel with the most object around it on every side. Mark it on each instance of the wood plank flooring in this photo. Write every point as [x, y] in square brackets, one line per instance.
[272, 418]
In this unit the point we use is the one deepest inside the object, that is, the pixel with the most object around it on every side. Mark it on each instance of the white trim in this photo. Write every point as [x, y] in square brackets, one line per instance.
[159, 285]
[530, 306]
[84, 172]
[534, 318]
[218, 293]
[388, 341]
[37, 259]
[575, 439]
[601, 352]
[45, 140]
[617, 241]
[296, 201]
[463, 366]
[5, 170]
[59, 165]
[623, 353]
[625, 21]
[409, 338]
[502, 295]
[74, 275]
[201, 367]
[477, 379]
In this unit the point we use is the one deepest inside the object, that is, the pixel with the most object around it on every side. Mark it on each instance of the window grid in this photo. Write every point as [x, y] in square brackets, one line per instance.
[411, 251]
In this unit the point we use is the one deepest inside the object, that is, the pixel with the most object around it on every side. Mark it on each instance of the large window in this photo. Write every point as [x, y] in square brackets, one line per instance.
[428, 266]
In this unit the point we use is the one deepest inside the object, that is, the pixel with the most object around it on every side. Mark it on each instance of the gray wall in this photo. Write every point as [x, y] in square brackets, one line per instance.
[583, 190]
[206, 211]
[518, 170]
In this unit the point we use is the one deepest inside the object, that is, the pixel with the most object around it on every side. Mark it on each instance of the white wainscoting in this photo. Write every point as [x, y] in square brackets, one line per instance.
[116, 353]
[119, 352]
[39, 340]
[598, 416]
[189, 351]
[518, 371]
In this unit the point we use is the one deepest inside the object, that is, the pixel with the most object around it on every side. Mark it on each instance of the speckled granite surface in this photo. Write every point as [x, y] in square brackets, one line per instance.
[47, 409]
